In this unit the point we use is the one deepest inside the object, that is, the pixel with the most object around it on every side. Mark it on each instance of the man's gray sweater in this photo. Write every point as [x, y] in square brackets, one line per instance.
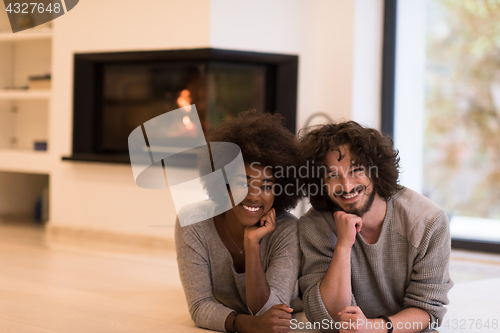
[406, 267]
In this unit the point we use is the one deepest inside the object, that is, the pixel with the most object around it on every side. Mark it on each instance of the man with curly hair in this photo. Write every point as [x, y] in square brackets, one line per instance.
[375, 254]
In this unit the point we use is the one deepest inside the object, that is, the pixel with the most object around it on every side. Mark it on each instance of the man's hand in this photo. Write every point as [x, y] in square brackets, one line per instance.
[347, 227]
[352, 319]
[275, 320]
[266, 225]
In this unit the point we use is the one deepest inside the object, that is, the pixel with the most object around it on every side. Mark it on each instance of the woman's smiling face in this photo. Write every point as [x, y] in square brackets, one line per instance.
[260, 198]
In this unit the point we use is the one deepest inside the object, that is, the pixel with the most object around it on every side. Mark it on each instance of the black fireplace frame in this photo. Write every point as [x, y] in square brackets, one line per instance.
[86, 100]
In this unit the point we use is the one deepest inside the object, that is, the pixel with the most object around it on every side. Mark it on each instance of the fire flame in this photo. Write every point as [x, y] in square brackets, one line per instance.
[184, 100]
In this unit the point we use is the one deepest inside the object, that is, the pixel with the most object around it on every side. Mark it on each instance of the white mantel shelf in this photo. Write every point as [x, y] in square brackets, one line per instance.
[24, 94]
[13, 160]
[25, 35]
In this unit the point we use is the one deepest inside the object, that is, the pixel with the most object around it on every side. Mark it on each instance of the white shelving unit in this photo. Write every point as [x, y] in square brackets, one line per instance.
[24, 113]
[24, 119]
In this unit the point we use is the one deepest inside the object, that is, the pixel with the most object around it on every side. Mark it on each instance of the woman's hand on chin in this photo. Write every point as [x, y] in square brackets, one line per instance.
[255, 233]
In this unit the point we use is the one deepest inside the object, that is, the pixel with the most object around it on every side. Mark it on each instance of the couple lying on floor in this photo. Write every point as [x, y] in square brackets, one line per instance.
[369, 256]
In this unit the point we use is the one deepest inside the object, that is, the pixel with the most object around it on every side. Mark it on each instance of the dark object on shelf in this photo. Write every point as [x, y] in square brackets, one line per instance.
[38, 210]
[39, 77]
[40, 82]
[114, 93]
[41, 212]
[41, 145]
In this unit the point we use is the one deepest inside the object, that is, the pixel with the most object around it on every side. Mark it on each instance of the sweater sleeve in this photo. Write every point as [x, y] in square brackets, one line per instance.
[317, 250]
[430, 280]
[283, 269]
[194, 271]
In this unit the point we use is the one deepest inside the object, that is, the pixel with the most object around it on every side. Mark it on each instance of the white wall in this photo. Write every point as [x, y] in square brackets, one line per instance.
[259, 25]
[105, 197]
[367, 68]
[325, 76]
[320, 32]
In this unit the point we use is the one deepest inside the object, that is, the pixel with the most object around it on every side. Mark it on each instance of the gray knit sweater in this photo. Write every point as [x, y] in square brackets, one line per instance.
[406, 267]
[213, 288]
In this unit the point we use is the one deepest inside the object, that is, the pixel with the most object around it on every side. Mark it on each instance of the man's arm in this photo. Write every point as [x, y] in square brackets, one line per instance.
[429, 284]
[317, 241]
[430, 280]
[336, 287]
[418, 318]
[410, 320]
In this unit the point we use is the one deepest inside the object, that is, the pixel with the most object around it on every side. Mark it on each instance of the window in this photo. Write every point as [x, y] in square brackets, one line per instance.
[447, 110]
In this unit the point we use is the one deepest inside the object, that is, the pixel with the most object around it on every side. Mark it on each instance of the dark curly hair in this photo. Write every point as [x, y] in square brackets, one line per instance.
[369, 148]
[262, 138]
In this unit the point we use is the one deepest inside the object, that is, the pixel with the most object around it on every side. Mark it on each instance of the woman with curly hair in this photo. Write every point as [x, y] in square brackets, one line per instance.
[239, 269]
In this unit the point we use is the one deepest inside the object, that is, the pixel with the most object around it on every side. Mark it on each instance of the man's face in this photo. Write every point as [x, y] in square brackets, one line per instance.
[347, 184]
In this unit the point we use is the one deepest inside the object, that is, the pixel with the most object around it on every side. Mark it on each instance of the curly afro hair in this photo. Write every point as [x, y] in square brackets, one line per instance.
[263, 139]
[370, 148]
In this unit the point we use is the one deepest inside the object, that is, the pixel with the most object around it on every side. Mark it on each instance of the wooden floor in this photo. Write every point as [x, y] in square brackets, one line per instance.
[46, 288]
[52, 288]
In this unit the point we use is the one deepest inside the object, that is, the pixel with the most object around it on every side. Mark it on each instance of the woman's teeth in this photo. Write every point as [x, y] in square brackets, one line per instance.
[251, 209]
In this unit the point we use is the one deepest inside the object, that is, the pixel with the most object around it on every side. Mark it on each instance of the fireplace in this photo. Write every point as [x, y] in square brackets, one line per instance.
[116, 92]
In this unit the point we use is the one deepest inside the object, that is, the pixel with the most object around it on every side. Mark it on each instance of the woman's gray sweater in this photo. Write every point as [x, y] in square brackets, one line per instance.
[213, 288]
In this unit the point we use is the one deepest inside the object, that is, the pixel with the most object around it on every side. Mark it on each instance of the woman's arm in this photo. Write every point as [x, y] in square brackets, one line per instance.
[206, 312]
[194, 271]
[257, 287]
[277, 283]
[274, 320]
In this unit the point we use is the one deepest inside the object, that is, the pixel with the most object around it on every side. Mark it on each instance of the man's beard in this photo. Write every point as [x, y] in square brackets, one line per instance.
[365, 208]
